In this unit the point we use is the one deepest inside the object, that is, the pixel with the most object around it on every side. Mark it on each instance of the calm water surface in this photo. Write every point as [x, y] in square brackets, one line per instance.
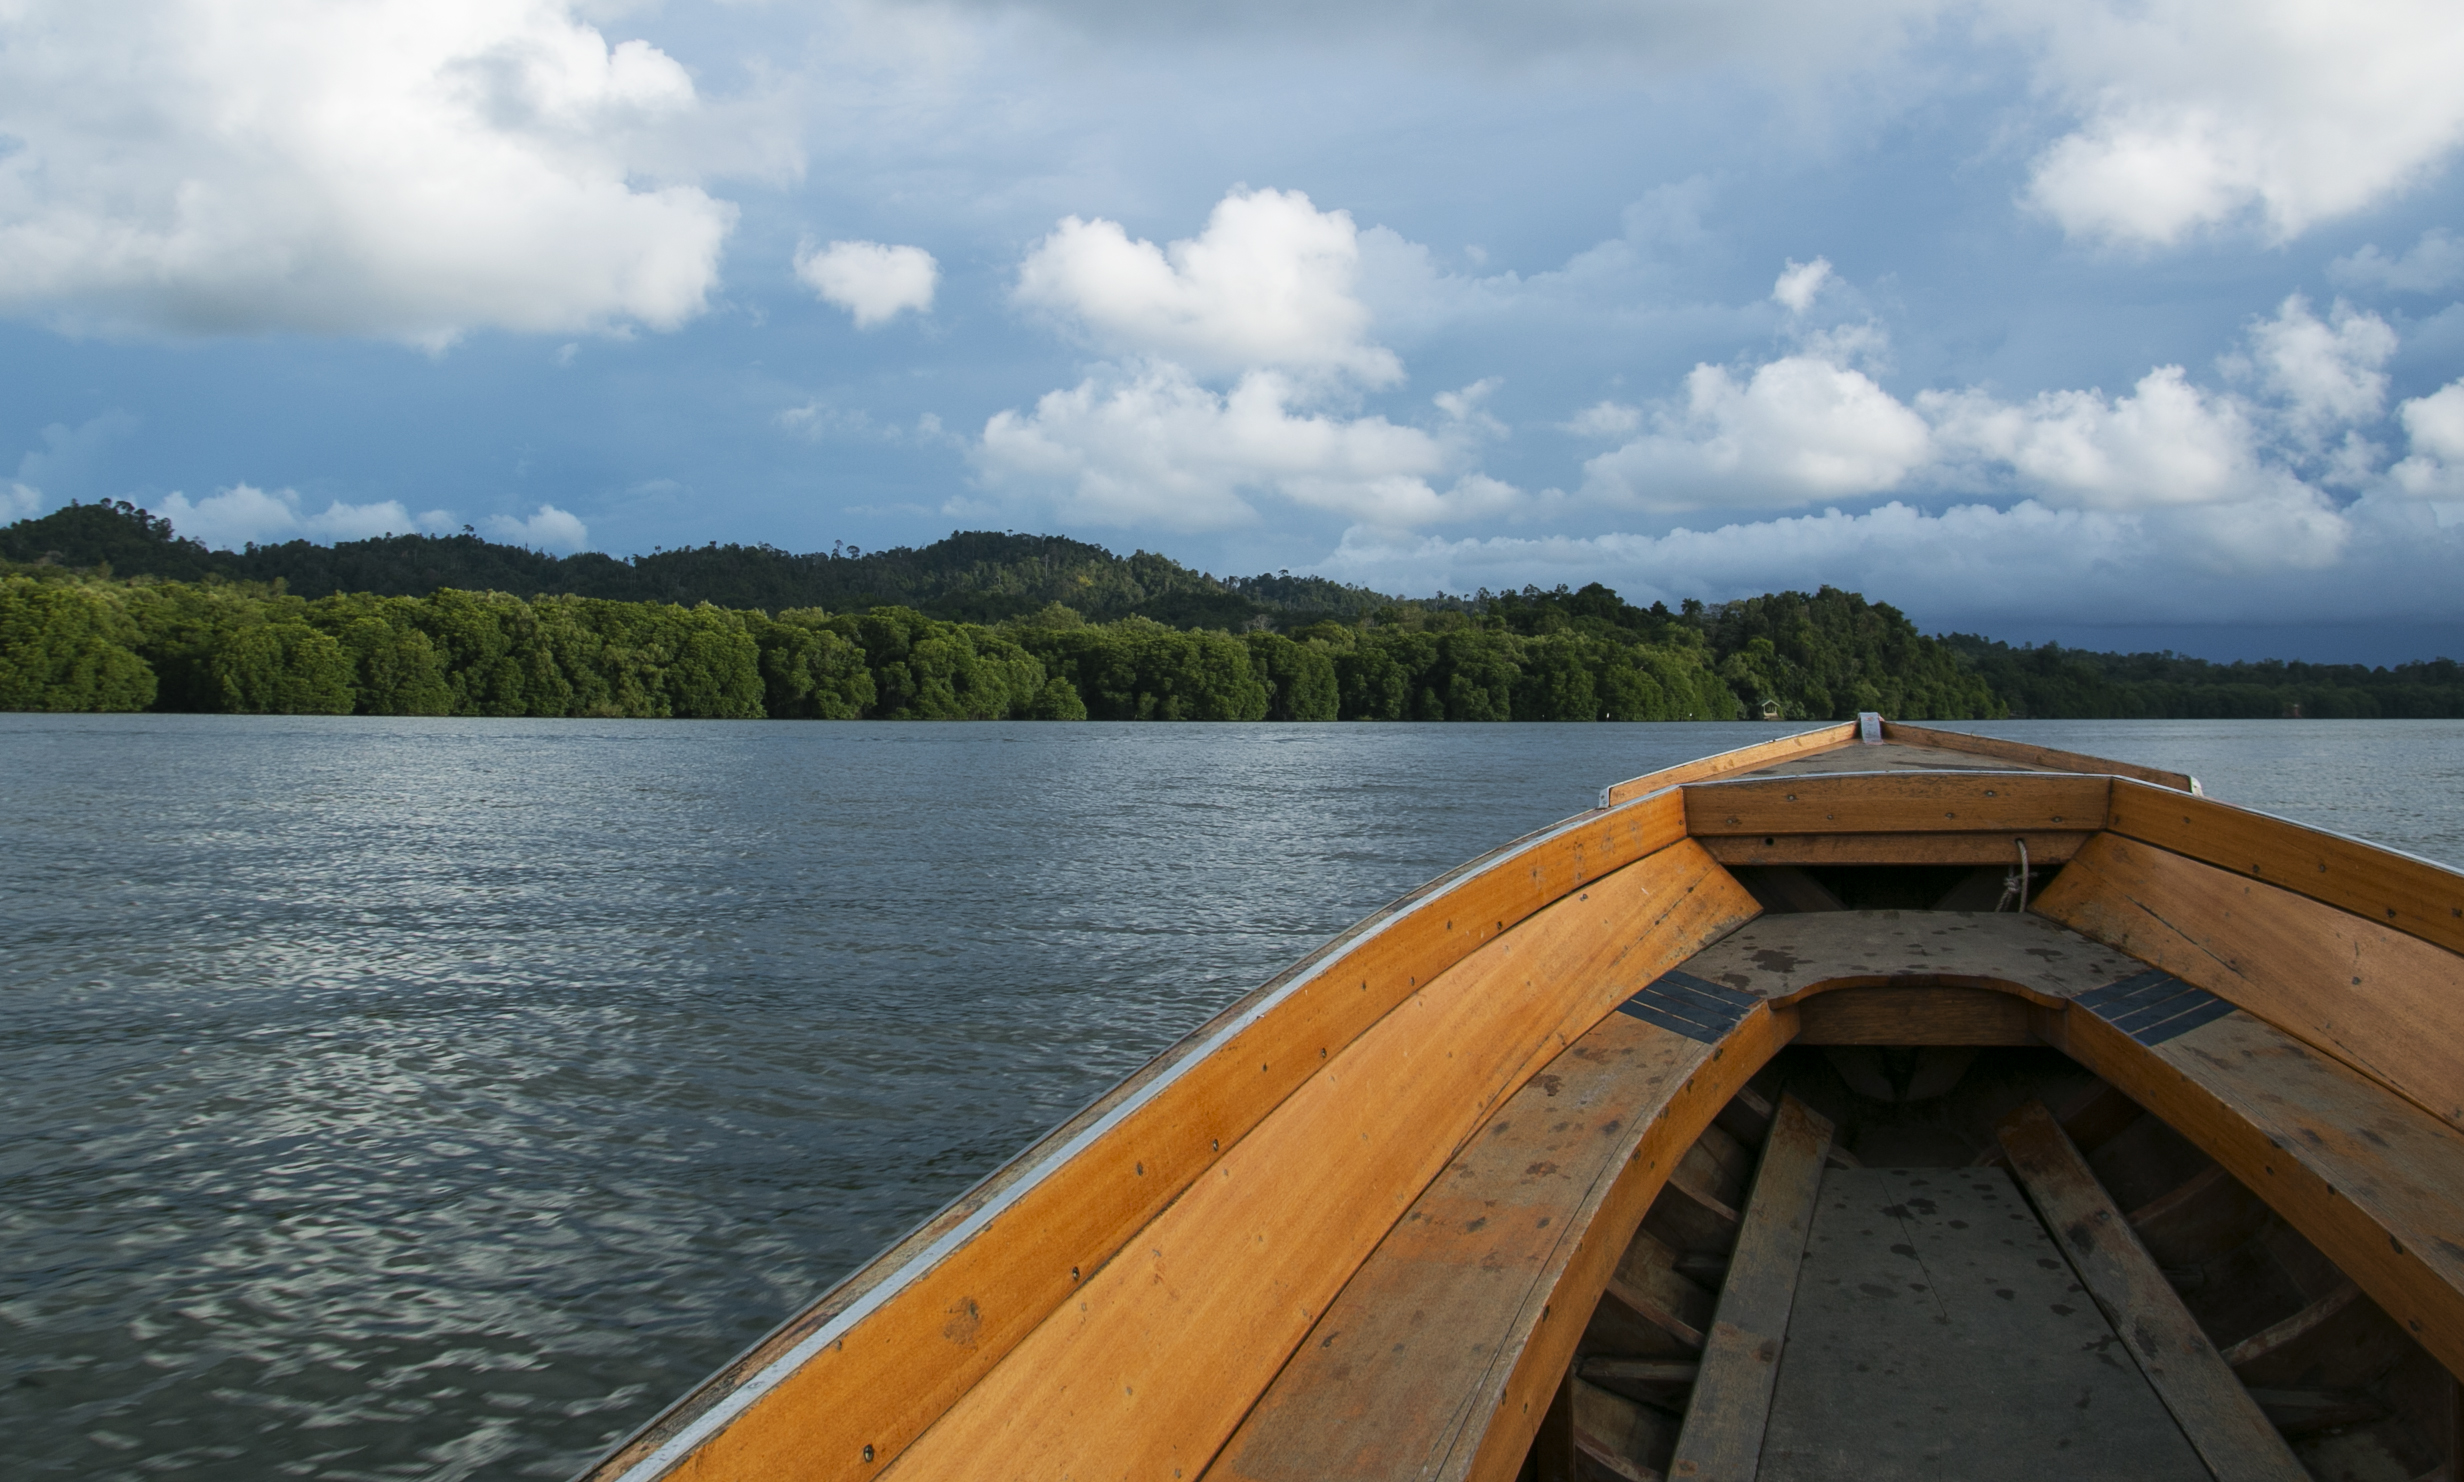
[435, 1098]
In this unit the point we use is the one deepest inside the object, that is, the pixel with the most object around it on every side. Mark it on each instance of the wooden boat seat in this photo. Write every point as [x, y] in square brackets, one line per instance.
[1402, 1374]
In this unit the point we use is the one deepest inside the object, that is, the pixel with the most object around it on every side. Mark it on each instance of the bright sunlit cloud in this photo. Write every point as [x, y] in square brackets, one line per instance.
[408, 169]
[233, 518]
[549, 529]
[2199, 113]
[870, 281]
[1268, 283]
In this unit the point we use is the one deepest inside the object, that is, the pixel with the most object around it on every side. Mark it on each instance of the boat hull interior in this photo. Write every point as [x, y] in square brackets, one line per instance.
[1934, 1108]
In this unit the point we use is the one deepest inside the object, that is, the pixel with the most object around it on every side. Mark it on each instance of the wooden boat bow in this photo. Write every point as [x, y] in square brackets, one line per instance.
[1473, 1190]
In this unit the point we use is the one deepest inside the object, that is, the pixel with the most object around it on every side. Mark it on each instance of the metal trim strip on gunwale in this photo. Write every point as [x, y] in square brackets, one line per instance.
[725, 1408]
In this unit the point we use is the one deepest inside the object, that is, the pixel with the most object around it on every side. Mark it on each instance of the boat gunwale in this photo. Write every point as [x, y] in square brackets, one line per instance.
[874, 1283]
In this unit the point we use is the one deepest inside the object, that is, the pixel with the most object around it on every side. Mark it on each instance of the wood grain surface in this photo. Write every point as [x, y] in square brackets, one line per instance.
[1929, 802]
[2382, 1001]
[1152, 1363]
[1893, 848]
[2028, 754]
[1407, 1369]
[1722, 1437]
[2232, 1435]
[1727, 763]
[2410, 895]
[1939, 1336]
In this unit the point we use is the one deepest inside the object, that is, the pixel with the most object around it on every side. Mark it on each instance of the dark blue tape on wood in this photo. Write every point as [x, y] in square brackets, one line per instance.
[2115, 997]
[2153, 1007]
[1697, 1008]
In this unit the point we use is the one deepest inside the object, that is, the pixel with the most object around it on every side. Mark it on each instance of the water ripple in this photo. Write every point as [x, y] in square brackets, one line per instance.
[438, 1098]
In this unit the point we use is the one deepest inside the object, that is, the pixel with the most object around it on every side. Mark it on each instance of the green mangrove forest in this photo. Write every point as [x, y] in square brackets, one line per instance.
[104, 608]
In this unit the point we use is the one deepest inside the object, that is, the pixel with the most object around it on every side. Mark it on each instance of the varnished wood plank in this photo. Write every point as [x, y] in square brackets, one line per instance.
[2011, 803]
[1135, 1375]
[2227, 1427]
[880, 1356]
[2384, 1002]
[1782, 957]
[2373, 1181]
[1439, 1357]
[1732, 1396]
[1486, 1447]
[1895, 848]
[1939, 1336]
[1420, 1327]
[1915, 1015]
[2028, 754]
[1742, 759]
[1885, 756]
[2410, 895]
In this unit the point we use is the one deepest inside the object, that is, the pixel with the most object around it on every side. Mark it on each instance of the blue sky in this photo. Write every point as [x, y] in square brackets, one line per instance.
[2119, 323]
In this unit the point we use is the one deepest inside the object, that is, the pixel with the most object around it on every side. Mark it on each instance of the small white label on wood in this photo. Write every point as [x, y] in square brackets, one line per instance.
[1869, 727]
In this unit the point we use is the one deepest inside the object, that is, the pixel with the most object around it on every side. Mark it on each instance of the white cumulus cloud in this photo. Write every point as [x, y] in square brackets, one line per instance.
[1270, 282]
[1799, 429]
[551, 529]
[1811, 426]
[1244, 352]
[411, 169]
[2435, 426]
[1799, 284]
[2327, 371]
[2166, 442]
[1159, 448]
[875, 283]
[231, 518]
[2196, 113]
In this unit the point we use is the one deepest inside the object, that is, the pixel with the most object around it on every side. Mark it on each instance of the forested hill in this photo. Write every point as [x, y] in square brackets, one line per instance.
[979, 576]
[91, 587]
[2056, 683]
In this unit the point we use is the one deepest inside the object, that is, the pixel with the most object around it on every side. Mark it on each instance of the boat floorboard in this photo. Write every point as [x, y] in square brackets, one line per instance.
[1891, 756]
[1938, 1332]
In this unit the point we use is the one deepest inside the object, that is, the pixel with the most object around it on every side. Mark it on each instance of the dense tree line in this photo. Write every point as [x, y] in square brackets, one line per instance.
[71, 641]
[2057, 683]
[1786, 656]
[110, 609]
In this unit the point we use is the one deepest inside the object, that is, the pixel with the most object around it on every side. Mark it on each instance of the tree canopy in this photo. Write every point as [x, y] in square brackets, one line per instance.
[105, 607]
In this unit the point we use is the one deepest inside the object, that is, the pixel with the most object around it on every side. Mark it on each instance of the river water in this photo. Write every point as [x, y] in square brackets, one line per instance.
[393, 1098]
